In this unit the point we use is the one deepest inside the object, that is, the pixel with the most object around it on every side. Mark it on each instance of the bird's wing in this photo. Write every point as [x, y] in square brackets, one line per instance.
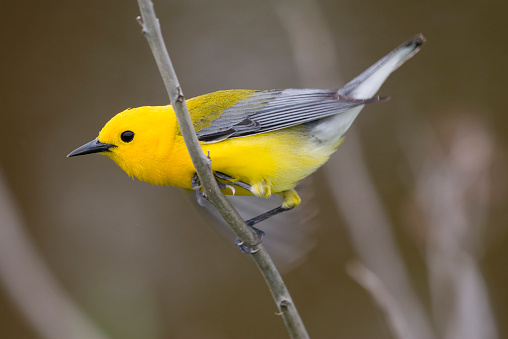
[265, 111]
[238, 113]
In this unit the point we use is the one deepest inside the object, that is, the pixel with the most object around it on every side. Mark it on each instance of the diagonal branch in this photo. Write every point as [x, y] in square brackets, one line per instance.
[152, 32]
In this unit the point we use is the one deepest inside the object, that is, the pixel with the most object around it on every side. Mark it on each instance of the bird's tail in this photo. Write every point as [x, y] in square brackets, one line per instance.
[367, 84]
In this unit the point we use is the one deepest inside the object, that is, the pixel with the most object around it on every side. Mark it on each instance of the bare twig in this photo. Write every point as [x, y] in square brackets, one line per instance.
[371, 232]
[452, 192]
[383, 297]
[348, 177]
[152, 32]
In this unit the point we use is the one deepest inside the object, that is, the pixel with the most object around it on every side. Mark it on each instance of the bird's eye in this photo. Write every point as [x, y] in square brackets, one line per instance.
[127, 136]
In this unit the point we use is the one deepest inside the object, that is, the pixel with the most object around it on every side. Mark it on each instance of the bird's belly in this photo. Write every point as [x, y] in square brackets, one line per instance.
[272, 162]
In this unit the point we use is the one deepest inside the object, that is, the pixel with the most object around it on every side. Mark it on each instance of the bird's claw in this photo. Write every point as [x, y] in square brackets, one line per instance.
[224, 186]
[260, 235]
[244, 248]
[247, 249]
[200, 196]
[196, 186]
[231, 188]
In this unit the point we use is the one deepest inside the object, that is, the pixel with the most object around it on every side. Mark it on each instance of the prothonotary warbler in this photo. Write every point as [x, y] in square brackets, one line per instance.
[259, 142]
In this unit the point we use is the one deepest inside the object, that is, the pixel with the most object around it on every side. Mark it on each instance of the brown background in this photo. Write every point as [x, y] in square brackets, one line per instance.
[139, 260]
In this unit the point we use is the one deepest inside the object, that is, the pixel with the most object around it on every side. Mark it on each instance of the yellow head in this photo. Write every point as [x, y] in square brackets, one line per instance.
[138, 140]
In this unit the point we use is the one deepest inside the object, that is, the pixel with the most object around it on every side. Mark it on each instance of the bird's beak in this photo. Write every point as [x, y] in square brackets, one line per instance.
[94, 146]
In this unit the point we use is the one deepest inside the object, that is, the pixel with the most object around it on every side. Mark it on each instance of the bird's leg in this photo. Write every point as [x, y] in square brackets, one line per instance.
[259, 233]
[196, 186]
[266, 215]
[290, 200]
[220, 175]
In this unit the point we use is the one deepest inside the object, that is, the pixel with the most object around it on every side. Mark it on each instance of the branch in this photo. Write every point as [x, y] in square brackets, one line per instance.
[152, 32]
[386, 301]
[452, 193]
[347, 176]
[371, 232]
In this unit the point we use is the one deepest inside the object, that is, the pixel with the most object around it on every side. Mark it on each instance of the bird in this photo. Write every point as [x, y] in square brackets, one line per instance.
[259, 142]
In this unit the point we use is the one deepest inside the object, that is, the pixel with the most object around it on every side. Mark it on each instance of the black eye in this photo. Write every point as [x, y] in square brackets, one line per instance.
[127, 136]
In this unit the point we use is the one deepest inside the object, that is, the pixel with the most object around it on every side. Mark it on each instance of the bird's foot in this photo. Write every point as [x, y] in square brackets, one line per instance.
[224, 186]
[196, 186]
[247, 248]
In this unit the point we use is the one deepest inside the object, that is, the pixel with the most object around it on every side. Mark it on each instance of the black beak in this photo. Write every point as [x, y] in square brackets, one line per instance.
[94, 146]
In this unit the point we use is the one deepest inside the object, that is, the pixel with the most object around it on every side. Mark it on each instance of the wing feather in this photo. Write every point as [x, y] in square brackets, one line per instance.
[266, 111]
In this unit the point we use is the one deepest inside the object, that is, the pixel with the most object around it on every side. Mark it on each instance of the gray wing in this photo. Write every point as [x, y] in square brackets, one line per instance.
[266, 111]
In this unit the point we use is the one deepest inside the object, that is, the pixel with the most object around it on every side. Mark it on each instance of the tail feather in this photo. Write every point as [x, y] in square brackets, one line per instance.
[368, 83]
[365, 86]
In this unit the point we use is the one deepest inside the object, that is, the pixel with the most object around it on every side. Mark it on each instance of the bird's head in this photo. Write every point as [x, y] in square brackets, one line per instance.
[136, 140]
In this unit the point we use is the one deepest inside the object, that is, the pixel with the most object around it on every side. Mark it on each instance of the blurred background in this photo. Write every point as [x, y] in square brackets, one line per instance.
[404, 231]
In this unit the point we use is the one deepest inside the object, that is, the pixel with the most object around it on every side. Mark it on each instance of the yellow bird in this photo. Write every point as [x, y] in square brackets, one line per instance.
[259, 142]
